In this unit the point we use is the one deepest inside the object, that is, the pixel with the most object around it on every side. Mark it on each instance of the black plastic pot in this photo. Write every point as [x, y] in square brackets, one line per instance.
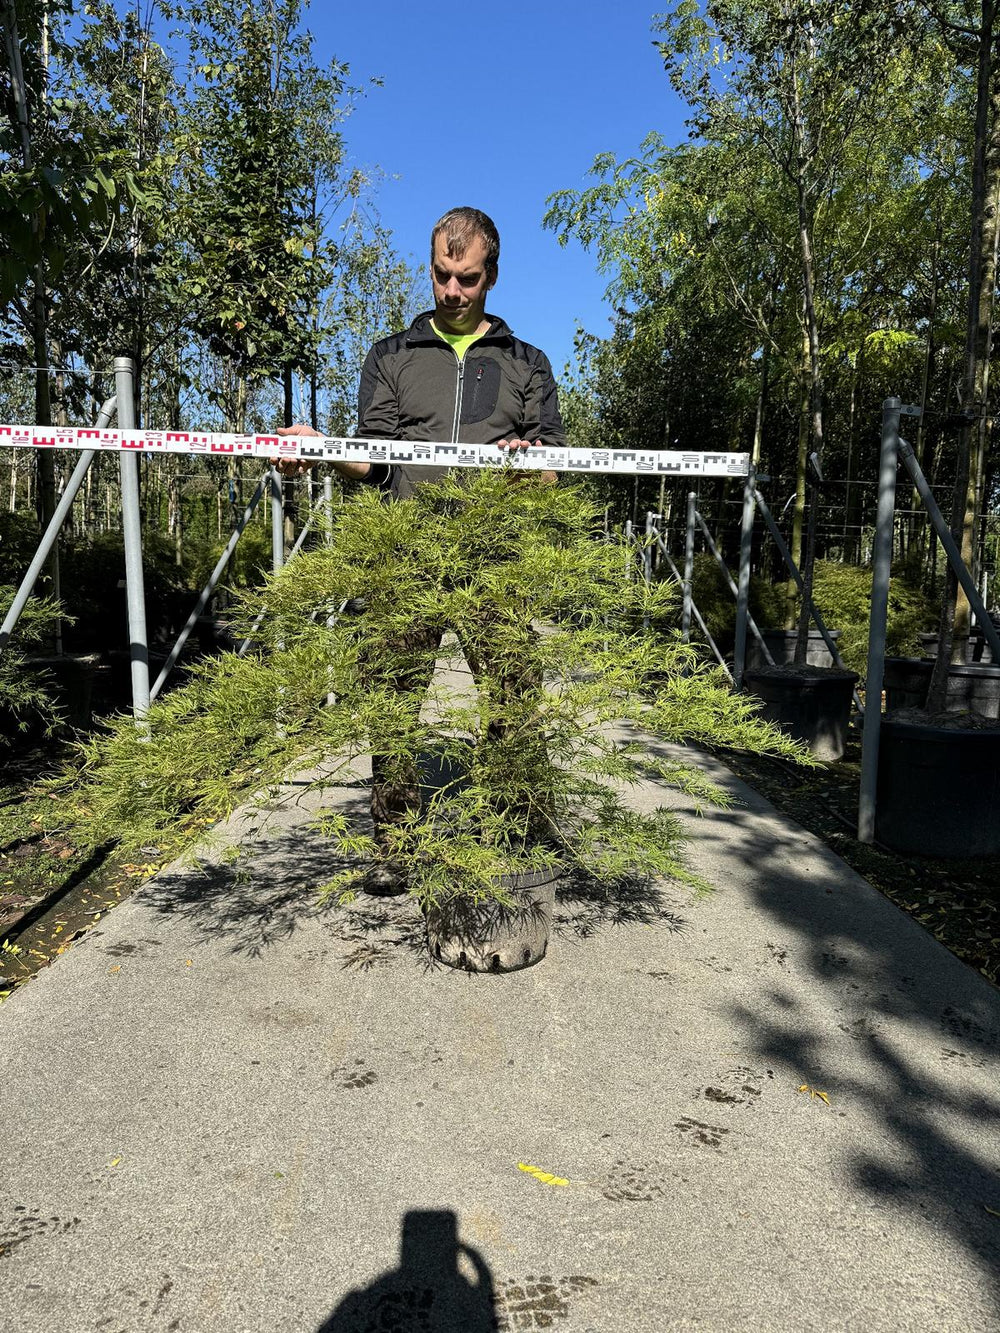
[976, 647]
[71, 680]
[938, 790]
[813, 706]
[781, 645]
[488, 937]
[972, 688]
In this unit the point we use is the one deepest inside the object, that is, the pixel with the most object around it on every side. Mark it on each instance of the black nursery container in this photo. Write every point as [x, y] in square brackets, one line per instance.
[814, 705]
[938, 790]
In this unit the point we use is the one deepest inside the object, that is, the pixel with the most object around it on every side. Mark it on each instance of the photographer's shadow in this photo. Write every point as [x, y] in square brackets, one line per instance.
[428, 1292]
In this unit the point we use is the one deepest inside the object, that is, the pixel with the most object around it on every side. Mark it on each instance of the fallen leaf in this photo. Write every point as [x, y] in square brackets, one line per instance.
[115, 967]
[114, 1161]
[814, 1093]
[544, 1176]
[187, 962]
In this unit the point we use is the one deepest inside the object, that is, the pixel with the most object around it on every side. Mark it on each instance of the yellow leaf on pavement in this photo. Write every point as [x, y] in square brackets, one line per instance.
[544, 1176]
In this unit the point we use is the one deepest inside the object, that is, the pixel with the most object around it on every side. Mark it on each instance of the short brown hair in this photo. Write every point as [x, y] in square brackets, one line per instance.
[460, 227]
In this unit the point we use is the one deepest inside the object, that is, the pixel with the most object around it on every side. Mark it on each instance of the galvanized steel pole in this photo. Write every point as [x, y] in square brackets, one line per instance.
[277, 522]
[951, 550]
[881, 567]
[688, 568]
[743, 591]
[209, 588]
[328, 507]
[131, 528]
[27, 585]
[647, 559]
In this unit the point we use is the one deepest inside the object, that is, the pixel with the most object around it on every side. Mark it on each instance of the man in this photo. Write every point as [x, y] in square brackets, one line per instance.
[458, 374]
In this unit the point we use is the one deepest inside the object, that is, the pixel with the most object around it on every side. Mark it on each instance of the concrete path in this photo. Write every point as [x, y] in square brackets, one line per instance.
[228, 1110]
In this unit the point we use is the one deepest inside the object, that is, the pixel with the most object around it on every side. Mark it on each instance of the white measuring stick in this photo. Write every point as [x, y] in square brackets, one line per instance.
[335, 449]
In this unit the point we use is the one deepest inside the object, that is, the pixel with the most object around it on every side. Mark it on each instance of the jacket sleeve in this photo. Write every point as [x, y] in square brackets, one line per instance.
[541, 405]
[378, 415]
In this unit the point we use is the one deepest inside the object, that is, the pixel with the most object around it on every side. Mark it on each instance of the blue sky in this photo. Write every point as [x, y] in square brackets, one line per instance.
[498, 106]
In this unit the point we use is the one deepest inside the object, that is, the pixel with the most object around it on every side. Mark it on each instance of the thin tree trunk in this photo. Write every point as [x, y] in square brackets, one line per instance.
[815, 368]
[955, 611]
[801, 461]
[918, 528]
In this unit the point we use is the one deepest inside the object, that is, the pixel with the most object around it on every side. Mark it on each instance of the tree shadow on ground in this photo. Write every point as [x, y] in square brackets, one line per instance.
[261, 895]
[585, 905]
[869, 1007]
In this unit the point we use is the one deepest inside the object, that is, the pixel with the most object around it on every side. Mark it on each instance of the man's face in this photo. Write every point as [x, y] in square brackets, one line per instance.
[460, 286]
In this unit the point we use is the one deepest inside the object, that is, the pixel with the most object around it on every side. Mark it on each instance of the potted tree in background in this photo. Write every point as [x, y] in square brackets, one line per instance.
[939, 746]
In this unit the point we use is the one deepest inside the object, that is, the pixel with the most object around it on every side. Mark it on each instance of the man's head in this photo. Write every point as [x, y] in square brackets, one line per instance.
[465, 252]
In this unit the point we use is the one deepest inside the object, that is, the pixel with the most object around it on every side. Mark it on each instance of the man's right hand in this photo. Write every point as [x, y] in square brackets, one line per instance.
[298, 467]
[294, 467]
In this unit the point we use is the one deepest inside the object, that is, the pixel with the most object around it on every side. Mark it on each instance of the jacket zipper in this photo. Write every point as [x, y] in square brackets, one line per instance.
[458, 397]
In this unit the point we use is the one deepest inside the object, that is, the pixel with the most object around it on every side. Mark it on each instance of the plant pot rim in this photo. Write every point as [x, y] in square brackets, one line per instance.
[937, 730]
[794, 634]
[984, 670]
[806, 675]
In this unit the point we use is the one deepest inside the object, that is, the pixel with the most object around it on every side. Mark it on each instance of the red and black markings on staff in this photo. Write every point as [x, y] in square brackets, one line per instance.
[337, 449]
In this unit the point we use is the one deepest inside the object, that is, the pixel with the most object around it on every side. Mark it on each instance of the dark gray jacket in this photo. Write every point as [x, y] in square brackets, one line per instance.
[413, 387]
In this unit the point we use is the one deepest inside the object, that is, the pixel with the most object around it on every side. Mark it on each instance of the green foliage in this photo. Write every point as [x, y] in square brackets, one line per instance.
[257, 145]
[19, 537]
[248, 566]
[520, 574]
[830, 138]
[25, 695]
[93, 589]
[843, 594]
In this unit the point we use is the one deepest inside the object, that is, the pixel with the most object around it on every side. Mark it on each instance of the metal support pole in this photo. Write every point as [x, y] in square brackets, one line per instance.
[951, 550]
[786, 555]
[209, 588]
[743, 592]
[688, 569]
[259, 620]
[695, 612]
[27, 585]
[647, 558]
[277, 521]
[751, 623]
[881, 567]
[628, 550]
[647, 550]
[328, 507]
[131, 528]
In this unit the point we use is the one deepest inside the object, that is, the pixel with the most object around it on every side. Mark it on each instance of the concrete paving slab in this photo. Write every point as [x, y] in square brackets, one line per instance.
[231, 1109]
